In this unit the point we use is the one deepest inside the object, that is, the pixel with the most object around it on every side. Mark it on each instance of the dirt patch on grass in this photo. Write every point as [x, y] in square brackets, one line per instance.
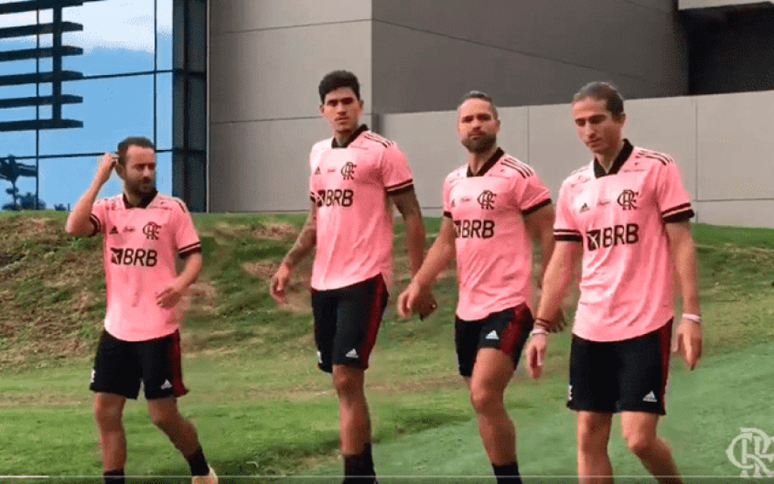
[260, 269]
[275, 231]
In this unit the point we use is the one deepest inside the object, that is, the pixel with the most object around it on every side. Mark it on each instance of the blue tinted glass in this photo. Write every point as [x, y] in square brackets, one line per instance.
[25, 188]
[112, 110]
[63, 180]
[164, 35]
[164, 173]
[117, 37]
[164, 111]
[17, 143]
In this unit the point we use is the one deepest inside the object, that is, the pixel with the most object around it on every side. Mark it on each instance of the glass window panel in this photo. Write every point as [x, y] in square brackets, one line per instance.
[17, 114]
[26, 66]
[117, 37]
[164, 34]
[47, 40]
[112, 110]
[63, 180]
[17, 19]
[25, 185]
[164, 111]
[47, 65]
[17, 143]
[164, 173]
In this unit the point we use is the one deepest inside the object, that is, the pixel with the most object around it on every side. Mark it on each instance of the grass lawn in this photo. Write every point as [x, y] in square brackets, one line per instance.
[263, 409]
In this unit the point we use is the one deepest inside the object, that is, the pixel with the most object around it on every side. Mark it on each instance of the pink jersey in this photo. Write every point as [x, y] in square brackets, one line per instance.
[139, 249]
[350, 185]
[620, 217]
[494, 253]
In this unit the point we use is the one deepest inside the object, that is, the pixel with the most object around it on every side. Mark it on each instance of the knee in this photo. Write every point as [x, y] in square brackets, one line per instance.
[484, 399]
[164, 420]
[346, 384]
[638, 443]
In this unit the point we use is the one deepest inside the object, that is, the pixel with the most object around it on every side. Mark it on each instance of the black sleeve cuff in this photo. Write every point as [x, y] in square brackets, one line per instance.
[537, 206]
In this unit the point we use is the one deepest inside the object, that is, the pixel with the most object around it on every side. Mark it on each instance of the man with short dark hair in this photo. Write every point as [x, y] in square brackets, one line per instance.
[626, 215]
[494, 206]
[356, 177]
[143, 233]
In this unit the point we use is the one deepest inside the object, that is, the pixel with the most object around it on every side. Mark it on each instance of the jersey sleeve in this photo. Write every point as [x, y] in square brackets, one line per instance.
[673, 201]
[396, 174]
[565, 227]
[186, 238]
[445, 198]
[530, 193]
[98, 217]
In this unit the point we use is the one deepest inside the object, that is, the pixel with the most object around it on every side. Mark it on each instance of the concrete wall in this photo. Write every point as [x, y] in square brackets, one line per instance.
[428, 53]
[723, 145]
[266, 60]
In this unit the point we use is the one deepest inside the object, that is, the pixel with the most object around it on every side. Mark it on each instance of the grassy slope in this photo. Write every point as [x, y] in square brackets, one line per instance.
[260, 405]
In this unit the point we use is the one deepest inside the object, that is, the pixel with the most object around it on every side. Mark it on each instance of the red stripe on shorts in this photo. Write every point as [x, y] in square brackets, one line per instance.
[374, 318]
[175, 362]
[664, 341]
[513, 333]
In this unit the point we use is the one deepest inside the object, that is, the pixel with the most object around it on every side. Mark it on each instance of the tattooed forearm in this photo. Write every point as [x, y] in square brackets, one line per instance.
[304, 243]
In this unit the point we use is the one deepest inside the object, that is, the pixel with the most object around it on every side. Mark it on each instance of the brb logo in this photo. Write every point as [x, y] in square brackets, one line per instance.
[611, 236]
[133, 257]
[342, 198]
[348, 170]
[628, 199]
[752, 451]
[151, 231]
[486, 200]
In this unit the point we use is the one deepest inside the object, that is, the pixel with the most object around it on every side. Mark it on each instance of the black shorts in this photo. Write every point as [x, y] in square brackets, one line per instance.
[506, 330]
[620, 376]
[346, 322]
[120, 366]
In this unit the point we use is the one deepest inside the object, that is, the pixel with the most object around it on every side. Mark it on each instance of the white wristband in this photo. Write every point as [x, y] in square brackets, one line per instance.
[693, 317]
[537, 330]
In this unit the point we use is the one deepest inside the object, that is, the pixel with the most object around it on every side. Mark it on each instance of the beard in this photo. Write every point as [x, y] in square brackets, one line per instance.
[480, 145]
[141, 187]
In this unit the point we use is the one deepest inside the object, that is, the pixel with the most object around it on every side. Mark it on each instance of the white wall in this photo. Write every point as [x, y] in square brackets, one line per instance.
[723, 144]
[267, 59]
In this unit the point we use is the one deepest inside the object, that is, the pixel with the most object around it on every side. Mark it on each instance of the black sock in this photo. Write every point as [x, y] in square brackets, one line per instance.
[359, 468]
[198, 463]
[507, 474]
[114, 477]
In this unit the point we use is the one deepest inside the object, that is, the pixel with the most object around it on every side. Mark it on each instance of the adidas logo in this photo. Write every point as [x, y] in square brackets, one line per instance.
[352, 354]
[114, 231]
[317, 171]
[492, 335]
[166, 385]
[650, 398]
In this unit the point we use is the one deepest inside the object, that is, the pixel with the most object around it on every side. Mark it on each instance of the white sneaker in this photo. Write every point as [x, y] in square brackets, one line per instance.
[210, 478]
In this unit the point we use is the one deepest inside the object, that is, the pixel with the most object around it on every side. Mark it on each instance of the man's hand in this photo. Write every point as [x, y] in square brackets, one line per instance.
[105, 168]
[688, 342]
[536, 352]
[279, 282]
[170, 296]
[416, 299]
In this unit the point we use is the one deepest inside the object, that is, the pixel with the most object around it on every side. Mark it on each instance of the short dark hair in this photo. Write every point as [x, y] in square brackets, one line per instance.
[604, 92]
[336, 80]
[479, 95]
[123, 146]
